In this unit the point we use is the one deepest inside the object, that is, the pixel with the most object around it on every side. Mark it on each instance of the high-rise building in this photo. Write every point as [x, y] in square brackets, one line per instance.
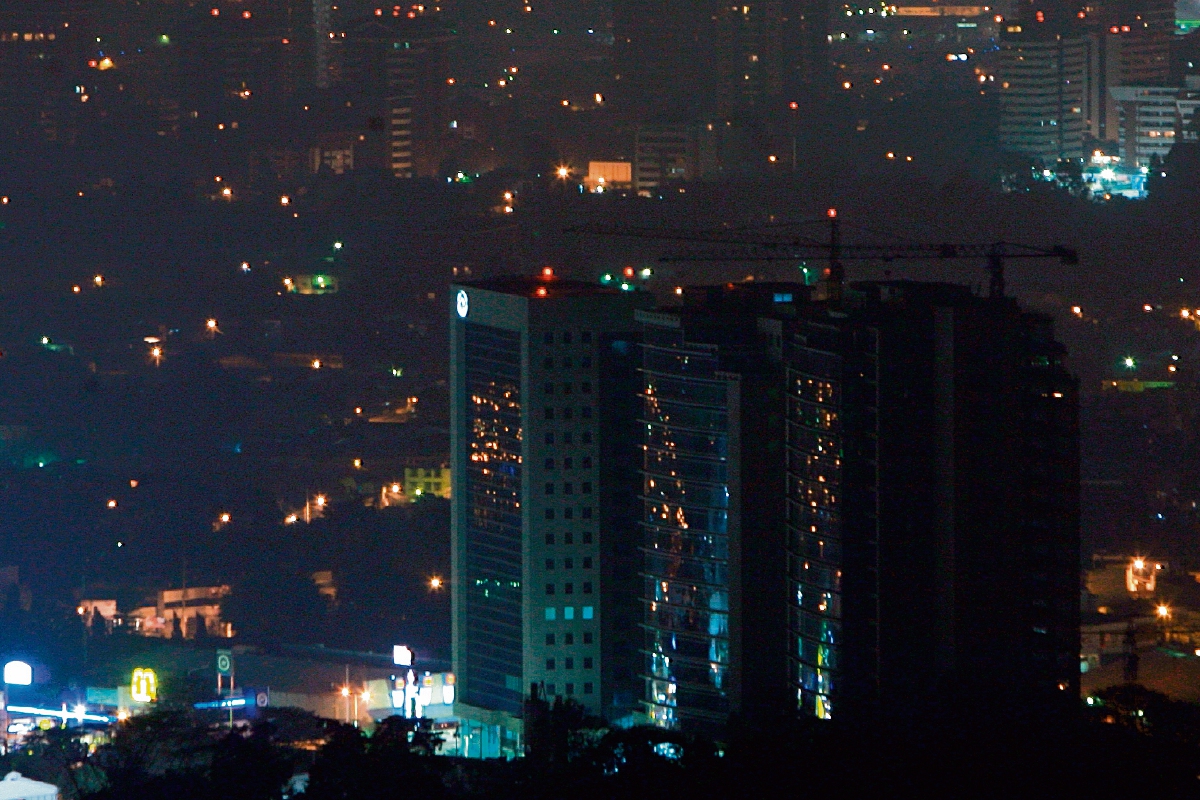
[398, 67]
[1043, 93]
[712, 423]
[1153, 119]
[932, 510]
[544, 508]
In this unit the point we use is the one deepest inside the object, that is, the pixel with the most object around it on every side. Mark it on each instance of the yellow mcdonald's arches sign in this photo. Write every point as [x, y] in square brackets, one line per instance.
[144, 686]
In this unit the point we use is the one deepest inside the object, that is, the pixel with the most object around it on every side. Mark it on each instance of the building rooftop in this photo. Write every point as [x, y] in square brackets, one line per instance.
[542, 286]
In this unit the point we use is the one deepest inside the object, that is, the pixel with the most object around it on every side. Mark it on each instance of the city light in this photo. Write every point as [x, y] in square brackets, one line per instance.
[1129, 362]
[345, 691]
[18, 673]
[143, 687]
[435, 583]
[98, 280]
[1163, 611]
[563, 172]
[111, 504]
[284, 200]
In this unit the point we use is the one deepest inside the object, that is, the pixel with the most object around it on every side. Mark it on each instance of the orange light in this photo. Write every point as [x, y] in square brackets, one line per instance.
[246, 15]
[541, 291]
[793, 105]
[216, 12]
[831, 213]
[112, 503]
[547, 273]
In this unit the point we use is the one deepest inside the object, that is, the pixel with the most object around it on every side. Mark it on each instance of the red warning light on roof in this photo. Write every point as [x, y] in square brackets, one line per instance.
[547, 273]
[831, 213]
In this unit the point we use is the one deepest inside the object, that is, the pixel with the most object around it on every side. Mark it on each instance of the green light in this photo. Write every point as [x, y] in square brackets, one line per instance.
[164, 39]
[606, 278]
[1129, 362]
[625, 287]
[337, 245]
[45, 340]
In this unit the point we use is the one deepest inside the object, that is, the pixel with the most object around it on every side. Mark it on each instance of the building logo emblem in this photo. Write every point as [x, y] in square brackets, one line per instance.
[462, 303]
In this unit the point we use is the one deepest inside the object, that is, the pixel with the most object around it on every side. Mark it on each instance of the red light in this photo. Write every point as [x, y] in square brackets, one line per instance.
[245, 15]
[286, 41]
[216, 12]
[831, 213]
[1114, 29]
[1082, 15]
[1040, 16]
[547, 273]
[379, 12]
[541, 291]
[1124, 29]
[627, 272]
[793, 105]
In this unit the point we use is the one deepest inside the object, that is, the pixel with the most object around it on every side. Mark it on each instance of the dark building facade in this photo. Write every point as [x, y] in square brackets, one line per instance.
[932, 504]
[712, 473]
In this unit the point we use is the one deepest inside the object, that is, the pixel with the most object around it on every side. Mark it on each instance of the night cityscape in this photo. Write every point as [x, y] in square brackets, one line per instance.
[551, 398]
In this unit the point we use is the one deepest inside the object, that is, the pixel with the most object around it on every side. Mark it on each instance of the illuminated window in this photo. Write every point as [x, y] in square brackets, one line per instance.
[550, 614]
[588, 612]
[568, 612]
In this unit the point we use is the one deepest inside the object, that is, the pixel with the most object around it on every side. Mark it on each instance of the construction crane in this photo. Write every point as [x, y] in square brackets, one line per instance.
[752, 248]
